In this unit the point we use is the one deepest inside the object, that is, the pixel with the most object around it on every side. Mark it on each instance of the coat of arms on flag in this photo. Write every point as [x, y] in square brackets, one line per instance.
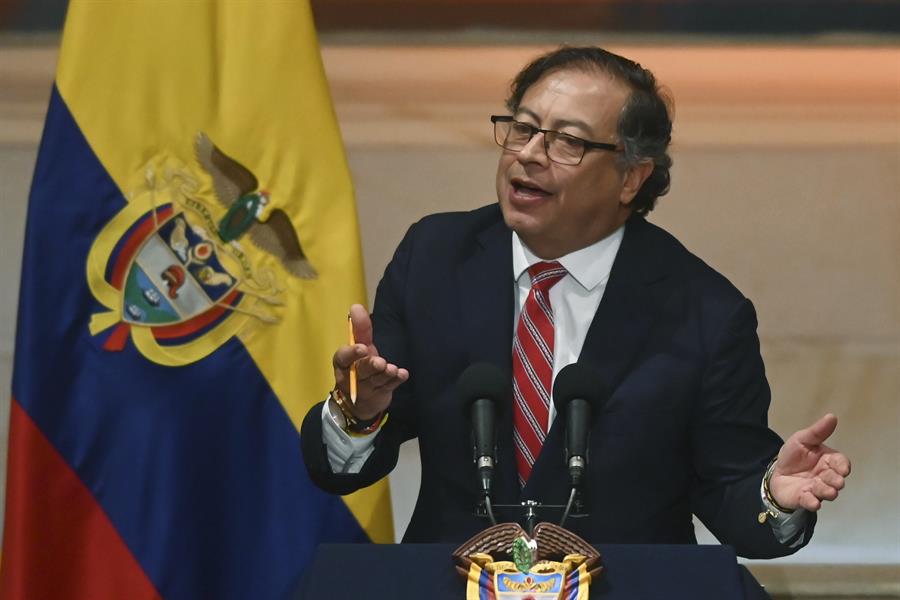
[175, 276]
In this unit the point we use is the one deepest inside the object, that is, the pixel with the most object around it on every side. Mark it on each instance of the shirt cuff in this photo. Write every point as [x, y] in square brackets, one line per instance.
[789, 528]
[346, 454]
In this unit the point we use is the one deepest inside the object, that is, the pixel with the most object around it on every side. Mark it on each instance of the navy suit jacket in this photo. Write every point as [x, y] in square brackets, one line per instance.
[684, 431]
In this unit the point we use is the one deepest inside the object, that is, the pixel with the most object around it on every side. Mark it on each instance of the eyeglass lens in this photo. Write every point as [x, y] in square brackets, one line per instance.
[560, 147]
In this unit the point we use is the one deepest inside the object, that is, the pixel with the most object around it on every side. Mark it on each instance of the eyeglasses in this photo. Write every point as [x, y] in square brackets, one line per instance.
[560, 147]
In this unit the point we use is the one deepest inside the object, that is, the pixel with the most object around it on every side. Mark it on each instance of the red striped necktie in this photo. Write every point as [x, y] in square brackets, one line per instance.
[533, 367]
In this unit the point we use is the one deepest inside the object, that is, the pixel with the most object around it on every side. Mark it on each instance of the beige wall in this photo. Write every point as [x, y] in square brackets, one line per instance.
[786, 179]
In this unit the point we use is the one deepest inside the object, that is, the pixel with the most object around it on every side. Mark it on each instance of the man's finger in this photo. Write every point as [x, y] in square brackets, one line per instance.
[839, 463]
[833, 479]
[402, 375]
[818, 432]
[347, 355]
[394, 382]
[809, 502]
[823, 491]
[376, 380]
[368, 366]
[362, 324]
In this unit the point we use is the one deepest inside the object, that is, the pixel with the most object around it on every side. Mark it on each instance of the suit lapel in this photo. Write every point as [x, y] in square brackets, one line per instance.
[618, 331]
[486, 298]
[629, 307]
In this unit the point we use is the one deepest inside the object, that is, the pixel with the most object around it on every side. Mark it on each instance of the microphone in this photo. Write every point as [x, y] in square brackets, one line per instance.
[481, 387]
[577, 391]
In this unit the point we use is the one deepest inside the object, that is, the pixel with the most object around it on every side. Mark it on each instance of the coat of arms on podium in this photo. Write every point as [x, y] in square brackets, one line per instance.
[554, 564]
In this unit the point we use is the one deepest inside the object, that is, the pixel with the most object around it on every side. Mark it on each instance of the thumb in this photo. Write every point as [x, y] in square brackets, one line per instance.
[362, 324]
[818, 432]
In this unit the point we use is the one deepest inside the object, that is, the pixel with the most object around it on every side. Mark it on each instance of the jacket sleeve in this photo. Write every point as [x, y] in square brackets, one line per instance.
[390, 338]
[732, 443]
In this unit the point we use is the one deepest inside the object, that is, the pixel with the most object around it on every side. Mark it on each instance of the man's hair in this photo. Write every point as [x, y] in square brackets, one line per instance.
[645, 125]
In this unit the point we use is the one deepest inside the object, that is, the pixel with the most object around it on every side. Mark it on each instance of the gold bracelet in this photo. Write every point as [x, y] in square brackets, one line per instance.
[344, 406]
[769, 497]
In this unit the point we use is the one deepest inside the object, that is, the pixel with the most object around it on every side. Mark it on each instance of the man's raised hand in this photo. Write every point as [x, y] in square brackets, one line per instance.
[376, 378]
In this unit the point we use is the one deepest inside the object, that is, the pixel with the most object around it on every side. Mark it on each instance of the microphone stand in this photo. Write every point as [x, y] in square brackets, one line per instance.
[485, 467]
[574, 501]
[530, 509]
[576, 471]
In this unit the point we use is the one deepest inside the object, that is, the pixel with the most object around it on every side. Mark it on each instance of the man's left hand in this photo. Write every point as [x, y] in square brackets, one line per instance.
[807, 471]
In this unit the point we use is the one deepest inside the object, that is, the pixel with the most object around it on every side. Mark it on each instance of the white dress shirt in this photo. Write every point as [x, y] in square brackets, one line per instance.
[574, 298]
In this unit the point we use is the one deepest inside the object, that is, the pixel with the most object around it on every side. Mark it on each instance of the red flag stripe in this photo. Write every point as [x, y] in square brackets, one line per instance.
[58, 542]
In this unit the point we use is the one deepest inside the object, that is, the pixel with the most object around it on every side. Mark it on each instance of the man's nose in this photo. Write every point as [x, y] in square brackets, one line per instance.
[535, 150]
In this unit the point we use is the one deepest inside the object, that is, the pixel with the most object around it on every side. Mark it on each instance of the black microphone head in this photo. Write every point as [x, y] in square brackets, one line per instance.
[484, 380]
[578, 380]
[483, 388]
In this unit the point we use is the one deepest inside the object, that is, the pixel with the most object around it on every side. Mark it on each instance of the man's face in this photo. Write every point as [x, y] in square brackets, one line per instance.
[557, 209]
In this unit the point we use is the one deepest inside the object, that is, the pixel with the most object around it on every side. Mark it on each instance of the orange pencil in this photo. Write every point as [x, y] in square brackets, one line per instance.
[353, 365]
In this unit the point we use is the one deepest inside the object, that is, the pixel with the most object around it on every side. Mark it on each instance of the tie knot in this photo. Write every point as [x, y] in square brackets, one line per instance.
[544, 275]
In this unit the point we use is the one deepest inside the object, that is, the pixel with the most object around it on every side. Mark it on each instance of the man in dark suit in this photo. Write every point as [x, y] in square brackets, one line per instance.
[565, 268]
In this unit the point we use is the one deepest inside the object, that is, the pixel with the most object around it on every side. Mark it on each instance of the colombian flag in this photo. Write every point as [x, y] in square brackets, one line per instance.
[191, 251]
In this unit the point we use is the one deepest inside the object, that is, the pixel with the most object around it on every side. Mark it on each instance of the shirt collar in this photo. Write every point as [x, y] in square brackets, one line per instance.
[589, 266]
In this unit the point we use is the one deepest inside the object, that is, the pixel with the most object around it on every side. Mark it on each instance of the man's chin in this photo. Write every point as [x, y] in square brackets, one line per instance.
[526, 229]
[522, 224]
[518, 218]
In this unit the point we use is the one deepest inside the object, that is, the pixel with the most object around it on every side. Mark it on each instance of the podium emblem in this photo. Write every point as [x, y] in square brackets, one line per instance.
[555, 564]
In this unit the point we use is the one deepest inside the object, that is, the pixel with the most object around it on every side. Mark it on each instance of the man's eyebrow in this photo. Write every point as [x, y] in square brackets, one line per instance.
[558, 124]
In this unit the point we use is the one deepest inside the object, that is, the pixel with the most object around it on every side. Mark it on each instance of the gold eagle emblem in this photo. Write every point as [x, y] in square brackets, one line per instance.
[237, 189]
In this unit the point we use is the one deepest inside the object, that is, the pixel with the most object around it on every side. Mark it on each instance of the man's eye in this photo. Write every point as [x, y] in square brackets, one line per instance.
[568, 141]
[522, 130]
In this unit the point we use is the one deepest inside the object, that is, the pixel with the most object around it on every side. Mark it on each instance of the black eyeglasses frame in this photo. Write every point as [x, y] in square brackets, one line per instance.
[588, 144]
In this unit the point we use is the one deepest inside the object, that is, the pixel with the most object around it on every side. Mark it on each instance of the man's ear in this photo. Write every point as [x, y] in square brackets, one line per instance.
[634, 179]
